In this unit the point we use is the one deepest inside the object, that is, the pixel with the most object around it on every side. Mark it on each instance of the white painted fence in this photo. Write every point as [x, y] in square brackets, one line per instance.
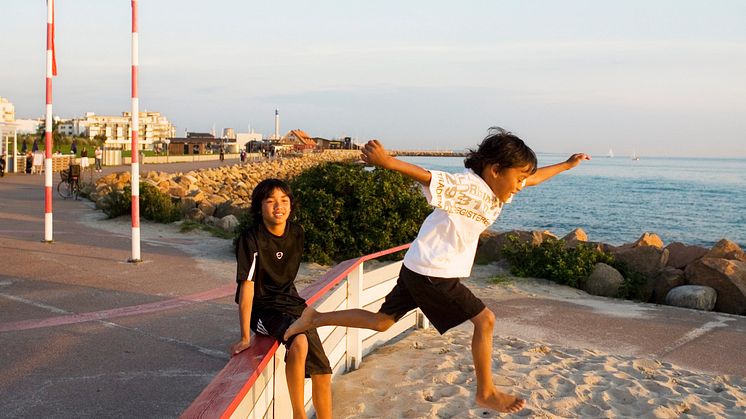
[253, 384]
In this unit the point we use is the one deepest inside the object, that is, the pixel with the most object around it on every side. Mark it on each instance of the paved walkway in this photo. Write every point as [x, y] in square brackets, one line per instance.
[85, 334]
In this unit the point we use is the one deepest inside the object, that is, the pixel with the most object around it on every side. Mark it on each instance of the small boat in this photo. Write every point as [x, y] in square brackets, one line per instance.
[611, 153]
[634, 155]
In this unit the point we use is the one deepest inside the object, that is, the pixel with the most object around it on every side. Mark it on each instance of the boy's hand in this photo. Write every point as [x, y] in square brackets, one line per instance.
[576, 158]
[375, 154]
[240, 346]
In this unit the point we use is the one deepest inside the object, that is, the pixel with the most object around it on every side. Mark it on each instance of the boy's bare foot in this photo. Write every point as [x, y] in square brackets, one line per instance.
[303, 323]
[501, 402]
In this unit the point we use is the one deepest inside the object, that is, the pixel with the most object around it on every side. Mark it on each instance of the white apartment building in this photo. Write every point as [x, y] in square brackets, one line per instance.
[7, 110]
[153, 128]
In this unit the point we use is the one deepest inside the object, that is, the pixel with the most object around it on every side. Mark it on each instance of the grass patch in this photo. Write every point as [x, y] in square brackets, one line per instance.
[501, 279]
[189, 225]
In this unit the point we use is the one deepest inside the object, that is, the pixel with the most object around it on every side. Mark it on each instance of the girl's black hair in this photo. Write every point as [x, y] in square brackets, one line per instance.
[501, 147]
[262, 191]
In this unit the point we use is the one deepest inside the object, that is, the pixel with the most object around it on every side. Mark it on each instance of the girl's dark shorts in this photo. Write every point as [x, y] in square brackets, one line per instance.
[274, 323]
[445, 301]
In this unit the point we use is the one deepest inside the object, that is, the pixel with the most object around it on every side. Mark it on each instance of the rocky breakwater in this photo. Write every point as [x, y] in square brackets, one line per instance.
[216, 196]
[675, 274]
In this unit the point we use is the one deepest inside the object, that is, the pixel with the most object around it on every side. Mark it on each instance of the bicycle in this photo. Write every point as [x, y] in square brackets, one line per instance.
[69, 186]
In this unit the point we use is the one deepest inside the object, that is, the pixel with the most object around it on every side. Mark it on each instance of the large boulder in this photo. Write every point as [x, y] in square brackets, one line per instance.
[698, 297]
[727, 277]
[195, 214]
[228, 223]
[574, 238]
[726, 249]
[604, 281]
[491, 243]
[680, 254]
[668, 278]
[649, 239]
[647, 260]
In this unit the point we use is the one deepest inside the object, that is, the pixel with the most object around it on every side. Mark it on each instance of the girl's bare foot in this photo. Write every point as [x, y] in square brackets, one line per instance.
[501, 402]
[303, 323]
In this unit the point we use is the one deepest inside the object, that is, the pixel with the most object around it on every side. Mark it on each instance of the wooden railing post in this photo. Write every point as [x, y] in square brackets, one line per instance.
[354, 298]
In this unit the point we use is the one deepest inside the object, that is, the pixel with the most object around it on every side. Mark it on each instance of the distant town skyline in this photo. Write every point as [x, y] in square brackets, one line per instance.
[662, 78]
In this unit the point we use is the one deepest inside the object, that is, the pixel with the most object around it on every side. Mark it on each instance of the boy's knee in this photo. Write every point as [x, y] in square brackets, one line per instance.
[485, 318]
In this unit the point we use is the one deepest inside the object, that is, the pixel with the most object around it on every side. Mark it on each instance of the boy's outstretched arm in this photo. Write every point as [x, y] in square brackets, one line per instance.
[375, 154]
[546, 172]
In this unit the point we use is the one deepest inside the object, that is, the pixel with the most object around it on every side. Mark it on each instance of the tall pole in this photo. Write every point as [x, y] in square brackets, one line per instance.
[135, 127]
[51, 70]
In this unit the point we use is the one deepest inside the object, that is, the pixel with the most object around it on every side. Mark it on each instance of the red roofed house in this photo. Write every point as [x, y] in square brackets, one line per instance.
[301, 141]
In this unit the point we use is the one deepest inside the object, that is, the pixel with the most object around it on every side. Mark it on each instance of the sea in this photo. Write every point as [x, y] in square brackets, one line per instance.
[696, 201]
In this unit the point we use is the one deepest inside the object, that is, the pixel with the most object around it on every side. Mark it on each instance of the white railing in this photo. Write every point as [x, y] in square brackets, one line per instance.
[252, 384]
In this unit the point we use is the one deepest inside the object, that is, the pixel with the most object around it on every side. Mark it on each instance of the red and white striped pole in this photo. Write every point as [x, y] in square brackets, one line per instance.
[51, 71]
[135, 128]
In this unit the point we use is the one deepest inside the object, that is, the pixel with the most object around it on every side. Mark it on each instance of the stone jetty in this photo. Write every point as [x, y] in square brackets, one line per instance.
[217, 196]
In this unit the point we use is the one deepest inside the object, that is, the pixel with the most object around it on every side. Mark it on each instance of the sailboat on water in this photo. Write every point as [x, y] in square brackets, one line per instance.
[611, 153]
[634, 155]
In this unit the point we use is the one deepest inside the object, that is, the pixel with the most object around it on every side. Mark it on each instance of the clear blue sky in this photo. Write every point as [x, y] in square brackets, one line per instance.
[661, 77]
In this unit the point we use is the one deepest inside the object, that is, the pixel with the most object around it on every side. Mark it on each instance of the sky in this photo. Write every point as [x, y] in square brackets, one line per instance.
[661, 78]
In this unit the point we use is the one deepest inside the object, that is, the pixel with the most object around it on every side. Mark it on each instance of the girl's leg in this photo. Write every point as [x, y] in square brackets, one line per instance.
[481, 349]
[355, 317]
[295, 368]
[321, 392]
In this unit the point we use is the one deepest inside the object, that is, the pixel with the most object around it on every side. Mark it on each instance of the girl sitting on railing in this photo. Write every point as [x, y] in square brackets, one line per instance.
[269, 256]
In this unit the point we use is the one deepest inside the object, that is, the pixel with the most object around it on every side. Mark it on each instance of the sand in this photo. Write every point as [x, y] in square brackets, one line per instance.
[426, 375]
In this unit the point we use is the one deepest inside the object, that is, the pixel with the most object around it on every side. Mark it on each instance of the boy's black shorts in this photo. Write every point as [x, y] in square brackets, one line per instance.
[274, 323]
[445, 301]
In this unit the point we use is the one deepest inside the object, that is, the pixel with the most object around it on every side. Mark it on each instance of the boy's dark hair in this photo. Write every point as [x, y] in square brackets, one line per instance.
[501, 147]
[262, 192]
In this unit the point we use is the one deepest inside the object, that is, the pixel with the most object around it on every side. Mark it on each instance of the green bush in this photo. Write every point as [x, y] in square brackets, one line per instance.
[552, 260]
[348, 211]
[154, 204]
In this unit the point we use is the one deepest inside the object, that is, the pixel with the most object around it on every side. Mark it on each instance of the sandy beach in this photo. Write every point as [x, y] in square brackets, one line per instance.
[426, 375]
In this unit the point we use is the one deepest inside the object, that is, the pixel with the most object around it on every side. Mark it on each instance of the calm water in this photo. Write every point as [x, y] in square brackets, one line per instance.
[615, 200]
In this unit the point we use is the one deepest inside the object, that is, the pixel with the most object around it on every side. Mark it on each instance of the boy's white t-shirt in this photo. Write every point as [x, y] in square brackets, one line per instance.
[447, 241]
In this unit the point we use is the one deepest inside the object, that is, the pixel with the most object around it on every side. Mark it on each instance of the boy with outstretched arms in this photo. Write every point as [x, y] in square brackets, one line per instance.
[269, 256]
[465, 205]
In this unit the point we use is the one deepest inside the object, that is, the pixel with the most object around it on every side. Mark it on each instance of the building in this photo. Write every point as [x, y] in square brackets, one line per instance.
[154, 128]
[7, 110]
[193, 143]
[229, 133]
[299, 140]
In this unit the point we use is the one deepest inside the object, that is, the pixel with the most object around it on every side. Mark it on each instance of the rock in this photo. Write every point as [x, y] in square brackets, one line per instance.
[668, 278]
[726, 249]
[187, 204]
[207, 208]
[649, 239]
[489, 247]
[211, 221]
[604, 281]
[577, 235]
[698, 297]
[680, 254]
[227, 208]
[727, 277]
[538, 237]
[647, 260]
[195, 214]
[176, 191]
[228, 223]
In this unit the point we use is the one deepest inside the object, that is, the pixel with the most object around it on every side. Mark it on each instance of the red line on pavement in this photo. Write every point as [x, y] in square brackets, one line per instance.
[119, 312]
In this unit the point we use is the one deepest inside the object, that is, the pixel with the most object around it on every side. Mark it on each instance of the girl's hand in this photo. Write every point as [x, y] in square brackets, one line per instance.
[375, 154]
[240, 346]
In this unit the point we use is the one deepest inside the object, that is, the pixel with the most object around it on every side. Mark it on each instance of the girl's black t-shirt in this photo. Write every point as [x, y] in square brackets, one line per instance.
[272, 262]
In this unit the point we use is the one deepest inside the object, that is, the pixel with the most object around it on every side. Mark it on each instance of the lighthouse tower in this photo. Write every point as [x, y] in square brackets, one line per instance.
[277, 124]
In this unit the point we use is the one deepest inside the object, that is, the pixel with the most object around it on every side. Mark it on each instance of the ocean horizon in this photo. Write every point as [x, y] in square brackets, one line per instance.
[696, 201]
